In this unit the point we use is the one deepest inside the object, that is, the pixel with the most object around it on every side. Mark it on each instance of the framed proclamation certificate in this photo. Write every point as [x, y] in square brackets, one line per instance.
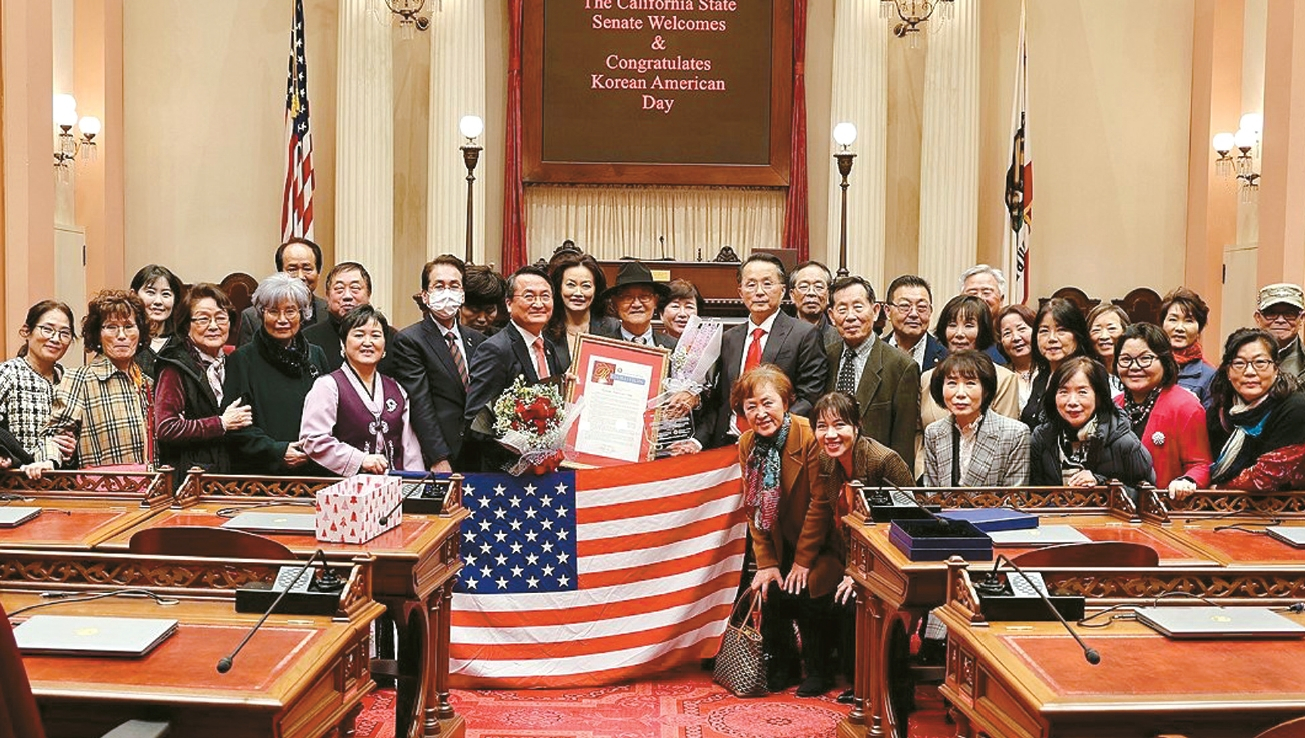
[616, 380]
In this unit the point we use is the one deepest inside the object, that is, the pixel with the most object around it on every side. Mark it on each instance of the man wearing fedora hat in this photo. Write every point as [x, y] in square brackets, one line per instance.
[634, 299]
[1279, 308]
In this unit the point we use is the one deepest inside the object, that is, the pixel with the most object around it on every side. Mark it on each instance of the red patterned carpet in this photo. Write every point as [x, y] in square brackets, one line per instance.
[680, 704]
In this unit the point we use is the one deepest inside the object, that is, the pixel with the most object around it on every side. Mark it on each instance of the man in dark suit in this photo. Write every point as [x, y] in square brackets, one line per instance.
[519, 349]
[348, 285]
[430, 358]
[884, 381]
[634, 298]
[910, 307]
[769, 337]
[302, 259]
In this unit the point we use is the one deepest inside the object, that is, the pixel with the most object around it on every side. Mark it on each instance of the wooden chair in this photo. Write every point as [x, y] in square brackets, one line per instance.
[19, 715]
[1096, 553]
[197, 540]
[1142, 305]
[1074, 295]
[1290, 729]
[240, 290]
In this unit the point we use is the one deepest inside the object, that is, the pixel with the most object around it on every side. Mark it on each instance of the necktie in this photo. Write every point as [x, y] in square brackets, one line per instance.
[456, 351]
[754, 350]
[541, 362]
[847, 373]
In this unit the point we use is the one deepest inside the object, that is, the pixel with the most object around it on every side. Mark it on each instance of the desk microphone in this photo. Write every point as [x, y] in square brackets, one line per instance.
[224, 663]
[662, 239]
[421, 484]
[1092, 655]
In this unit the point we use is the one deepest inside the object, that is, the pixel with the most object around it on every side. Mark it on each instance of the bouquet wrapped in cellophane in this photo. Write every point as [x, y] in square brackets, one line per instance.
[532, 420]
[692, 360]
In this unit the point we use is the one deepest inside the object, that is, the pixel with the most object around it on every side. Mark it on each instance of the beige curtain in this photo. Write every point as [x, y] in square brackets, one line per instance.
[611, 221]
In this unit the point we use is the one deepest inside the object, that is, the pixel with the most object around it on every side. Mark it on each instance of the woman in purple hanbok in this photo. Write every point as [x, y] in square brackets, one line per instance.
[355, 418]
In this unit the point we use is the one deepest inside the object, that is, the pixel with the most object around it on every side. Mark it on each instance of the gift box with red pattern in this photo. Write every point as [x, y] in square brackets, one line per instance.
[350, 510]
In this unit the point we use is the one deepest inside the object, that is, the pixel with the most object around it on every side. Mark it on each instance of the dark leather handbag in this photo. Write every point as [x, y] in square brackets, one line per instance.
[741, 662]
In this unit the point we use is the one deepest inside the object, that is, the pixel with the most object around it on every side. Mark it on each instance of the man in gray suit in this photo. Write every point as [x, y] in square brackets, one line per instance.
[884, 381]
[769, 337]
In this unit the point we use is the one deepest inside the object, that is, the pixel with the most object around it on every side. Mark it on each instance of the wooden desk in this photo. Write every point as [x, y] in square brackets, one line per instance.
[893, 593]
[151, 489]
[299, 677]
[413, 577]
[74, 521]
[1030, 680]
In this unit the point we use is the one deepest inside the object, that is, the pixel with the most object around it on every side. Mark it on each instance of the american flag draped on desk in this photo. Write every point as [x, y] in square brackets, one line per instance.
[297, 196]
[596, 576]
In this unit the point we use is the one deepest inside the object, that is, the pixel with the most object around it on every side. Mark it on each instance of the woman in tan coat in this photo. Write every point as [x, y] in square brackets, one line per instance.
[791, 525]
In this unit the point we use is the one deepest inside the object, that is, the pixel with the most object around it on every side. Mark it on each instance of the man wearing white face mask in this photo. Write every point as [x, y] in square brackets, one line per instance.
[348, 285]
[430, 360]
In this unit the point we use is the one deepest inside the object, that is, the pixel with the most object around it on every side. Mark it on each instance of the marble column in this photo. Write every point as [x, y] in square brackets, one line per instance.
[364, 148]
[949, 150]
[457, 88]
[860, 96]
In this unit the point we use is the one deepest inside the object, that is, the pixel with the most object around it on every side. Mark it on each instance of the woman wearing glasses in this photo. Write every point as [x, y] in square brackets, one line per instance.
[105, 405]
[1168, 418]
[1258, 418]
[28, 381]
[272, 374]
[189, 393]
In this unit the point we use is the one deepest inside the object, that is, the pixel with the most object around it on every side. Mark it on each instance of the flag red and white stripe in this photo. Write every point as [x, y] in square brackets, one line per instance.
[658, 554]
[297, 195]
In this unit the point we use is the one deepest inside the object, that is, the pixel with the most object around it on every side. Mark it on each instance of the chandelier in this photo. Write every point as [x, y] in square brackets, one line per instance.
[912, 14]
[408, 13]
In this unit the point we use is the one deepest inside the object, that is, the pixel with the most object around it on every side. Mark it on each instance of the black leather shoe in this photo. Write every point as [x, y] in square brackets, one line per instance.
[814, 686]
[847, 697]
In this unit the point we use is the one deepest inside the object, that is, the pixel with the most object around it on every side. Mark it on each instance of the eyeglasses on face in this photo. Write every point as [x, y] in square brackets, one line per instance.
[283, 314]
[531, 298]
[1141, 362]
[204, 321]
[811, 288]
[1260, 364]
[125, 329]
[49, 332]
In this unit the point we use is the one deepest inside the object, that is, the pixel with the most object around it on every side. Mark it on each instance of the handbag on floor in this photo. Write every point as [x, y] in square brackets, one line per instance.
[741, 663]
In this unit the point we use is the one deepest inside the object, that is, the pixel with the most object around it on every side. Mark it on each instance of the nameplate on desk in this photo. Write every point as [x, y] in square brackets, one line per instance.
[1292, 535]
[1047, 535]
[12, 517]
[265, 522]
[1211, 622]
[92, 636]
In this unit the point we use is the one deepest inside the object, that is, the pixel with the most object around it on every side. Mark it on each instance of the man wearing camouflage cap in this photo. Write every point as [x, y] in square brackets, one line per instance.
[1279, 313]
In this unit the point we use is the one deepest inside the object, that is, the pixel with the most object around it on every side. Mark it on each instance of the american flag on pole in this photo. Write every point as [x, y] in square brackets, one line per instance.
[1019, 182]
[596, 576]
[297, 197]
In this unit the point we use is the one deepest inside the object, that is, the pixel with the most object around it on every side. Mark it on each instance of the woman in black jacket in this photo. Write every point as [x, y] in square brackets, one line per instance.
[1257, 421]
[190, 427]
[1085, 441]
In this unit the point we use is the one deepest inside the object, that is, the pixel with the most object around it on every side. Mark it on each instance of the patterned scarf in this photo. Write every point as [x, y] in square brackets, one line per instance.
[1073, 459]
[1247, 422]
[214, 369]
[761, 476]
[291, 360]
[1189, 353]
[1139, 413]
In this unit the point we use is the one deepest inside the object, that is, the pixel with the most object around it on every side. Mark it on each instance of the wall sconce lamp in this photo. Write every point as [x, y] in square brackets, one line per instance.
[68, 145]
[1242, 167]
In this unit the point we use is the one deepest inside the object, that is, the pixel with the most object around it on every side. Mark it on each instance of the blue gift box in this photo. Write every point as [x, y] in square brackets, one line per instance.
[940, 539]
[993, 518]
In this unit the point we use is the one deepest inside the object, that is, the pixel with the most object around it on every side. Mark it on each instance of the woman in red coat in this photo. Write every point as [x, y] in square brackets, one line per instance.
[1168, 418]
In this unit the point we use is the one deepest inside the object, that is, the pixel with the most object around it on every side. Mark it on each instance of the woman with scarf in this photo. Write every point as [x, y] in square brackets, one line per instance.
[791, 520]
[845, 456]
[1258, 418]
[355, 418]
[191, 370]
[272, 374]
[1167, 418]
[1085, 441]
[1182, 317]
[105, 405]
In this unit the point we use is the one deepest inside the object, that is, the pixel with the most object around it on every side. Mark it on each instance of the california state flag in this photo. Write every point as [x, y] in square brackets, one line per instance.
[1019, 182]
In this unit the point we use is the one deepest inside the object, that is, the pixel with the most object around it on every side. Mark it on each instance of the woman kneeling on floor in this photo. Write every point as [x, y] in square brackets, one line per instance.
[791, 521]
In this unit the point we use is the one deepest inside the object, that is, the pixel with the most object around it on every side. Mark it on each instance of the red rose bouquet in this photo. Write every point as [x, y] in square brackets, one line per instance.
[531, 420]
